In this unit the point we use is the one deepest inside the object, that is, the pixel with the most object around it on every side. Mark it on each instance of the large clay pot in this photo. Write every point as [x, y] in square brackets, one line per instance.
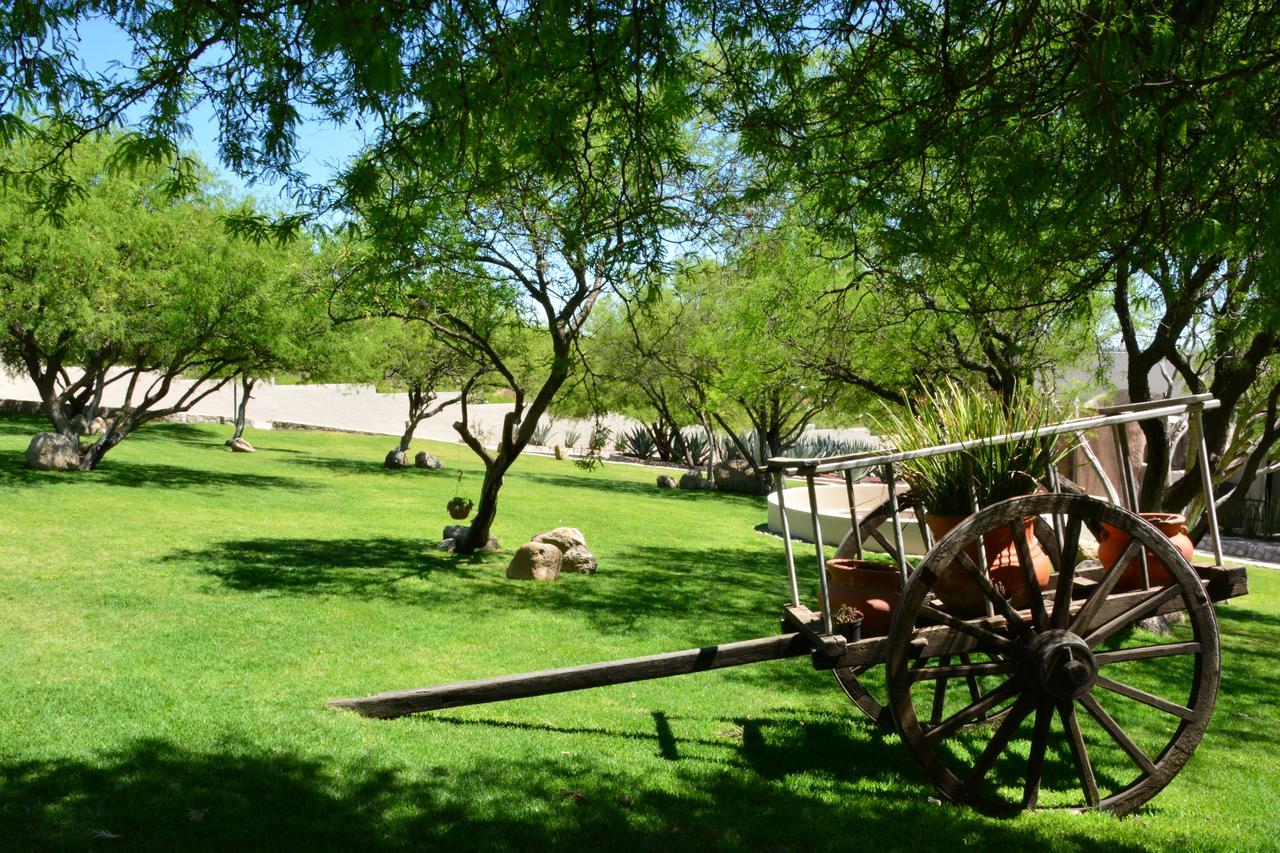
[1112, 542]
[873, 588]
[960, 592]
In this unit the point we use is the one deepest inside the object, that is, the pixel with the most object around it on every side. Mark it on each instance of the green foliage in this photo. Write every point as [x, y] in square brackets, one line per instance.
[950, 483]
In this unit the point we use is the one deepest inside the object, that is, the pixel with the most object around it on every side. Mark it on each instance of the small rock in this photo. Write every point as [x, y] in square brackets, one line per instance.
[693, 481]
[446, 544]
[559, 451]
[239, 445]
[578, 559]
[80, 425]
[535, 561]
[426, 460]
[52, 451]
[1156, 625]
[666, 482]
[455, 531]
[563, 538]
[99, 426]
[396, 459]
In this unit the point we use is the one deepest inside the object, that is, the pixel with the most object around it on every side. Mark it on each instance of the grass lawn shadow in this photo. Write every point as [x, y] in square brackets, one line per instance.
[364, 567]
[156, 794]
[15, 473]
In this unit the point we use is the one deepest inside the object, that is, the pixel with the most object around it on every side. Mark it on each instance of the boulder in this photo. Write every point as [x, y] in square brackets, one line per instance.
[80, 425]
[397, 458]
[239, 445]
[450, 542]
[563, 538]
[52, 451]
[578, 559]
[559, 452]
[426, 460]
[736, 476]
[99, 426]
[535, 561]
[666, 482]
[694, 481]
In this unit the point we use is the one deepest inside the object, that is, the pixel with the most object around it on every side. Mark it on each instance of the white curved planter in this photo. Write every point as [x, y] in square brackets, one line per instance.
[833, 515]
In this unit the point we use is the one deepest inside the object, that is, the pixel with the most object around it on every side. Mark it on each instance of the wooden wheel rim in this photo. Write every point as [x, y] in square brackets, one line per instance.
[1029, 699]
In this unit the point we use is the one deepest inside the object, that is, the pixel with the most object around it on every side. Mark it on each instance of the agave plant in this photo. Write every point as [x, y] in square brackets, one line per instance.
[571, 437]
[542, 432]
[948, 484]
[638, 442]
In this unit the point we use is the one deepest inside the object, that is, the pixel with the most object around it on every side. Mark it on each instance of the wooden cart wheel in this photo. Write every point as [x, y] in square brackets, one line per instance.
[848, 677]
[1146, 700]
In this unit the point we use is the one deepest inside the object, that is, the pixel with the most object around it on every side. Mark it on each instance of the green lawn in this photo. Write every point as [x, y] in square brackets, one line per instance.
[171, 626]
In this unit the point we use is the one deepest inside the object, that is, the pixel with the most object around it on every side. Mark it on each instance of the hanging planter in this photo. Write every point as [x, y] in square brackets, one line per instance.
[458, 506]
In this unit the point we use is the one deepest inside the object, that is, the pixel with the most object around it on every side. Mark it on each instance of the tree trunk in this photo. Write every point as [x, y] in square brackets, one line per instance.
[246, 391]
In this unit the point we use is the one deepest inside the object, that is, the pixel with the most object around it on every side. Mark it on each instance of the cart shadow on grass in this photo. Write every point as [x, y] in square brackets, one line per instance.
[156, 794]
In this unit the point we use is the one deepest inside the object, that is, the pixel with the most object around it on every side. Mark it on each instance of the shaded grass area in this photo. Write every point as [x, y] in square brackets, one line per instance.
[171, 625]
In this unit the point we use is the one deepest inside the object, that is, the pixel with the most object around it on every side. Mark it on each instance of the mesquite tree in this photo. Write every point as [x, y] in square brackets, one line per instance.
[134, 290]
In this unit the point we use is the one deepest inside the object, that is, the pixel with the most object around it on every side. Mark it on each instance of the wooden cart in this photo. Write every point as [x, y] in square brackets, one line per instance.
[991, 707]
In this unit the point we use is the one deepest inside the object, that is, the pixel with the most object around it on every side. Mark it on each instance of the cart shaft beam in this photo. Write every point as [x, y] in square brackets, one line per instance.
[403, 702]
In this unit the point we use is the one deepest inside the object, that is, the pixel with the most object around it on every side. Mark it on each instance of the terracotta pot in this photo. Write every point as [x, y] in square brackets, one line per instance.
[873, 588]
[957, 588]
[1112, 542]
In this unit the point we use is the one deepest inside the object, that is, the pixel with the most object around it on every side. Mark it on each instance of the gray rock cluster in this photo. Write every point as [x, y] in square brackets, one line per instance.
[426, 460]
[666, 481]
[693, 481]
[548, 554]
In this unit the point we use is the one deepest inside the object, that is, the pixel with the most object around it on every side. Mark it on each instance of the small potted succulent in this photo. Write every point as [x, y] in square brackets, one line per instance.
[847, 620]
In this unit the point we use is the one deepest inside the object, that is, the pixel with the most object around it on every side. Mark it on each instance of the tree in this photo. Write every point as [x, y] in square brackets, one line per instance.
[1122, 151]
[137, 289]
[539, 153]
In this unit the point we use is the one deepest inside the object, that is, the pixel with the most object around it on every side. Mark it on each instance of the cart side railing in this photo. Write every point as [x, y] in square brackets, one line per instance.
[1115, 417]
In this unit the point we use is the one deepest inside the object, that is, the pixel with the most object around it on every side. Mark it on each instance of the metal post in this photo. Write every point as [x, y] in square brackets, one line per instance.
[1206, 479]
[1056, 488]
[982, 545]
[1130, 491]
[822, 560]
[853, 511]
[781, 478]
[897, 524]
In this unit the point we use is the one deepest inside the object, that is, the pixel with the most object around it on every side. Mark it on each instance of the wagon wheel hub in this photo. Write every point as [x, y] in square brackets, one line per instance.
[1062, 665]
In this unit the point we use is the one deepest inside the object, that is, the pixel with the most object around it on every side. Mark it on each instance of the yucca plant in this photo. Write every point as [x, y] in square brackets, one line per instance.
[948, 484]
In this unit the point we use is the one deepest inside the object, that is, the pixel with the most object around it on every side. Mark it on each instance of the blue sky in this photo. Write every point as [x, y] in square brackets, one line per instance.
[323, 145]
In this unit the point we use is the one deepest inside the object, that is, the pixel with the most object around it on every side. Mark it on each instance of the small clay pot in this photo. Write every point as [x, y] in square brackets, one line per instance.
[459, 509]
[1112, 543]
[873, 588]
[960, 592]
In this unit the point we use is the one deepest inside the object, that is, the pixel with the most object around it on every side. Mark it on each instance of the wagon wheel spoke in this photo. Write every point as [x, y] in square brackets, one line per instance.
[1035, 598]
[966, 669]
[939, 696]
[1146, 652]
[1146, 698]
[1099, 595]
[1117, 734]
[889, 548]
[1014, 622]
[1000, 740]
[970, 712]
[1035, 759]
[1079, 753]
[971, 679]
[1139, 611]
[1066, 572]
[984, 636]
